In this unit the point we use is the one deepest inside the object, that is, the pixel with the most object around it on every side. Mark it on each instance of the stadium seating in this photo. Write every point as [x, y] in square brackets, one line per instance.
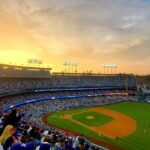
[29, 84]
[37, 93]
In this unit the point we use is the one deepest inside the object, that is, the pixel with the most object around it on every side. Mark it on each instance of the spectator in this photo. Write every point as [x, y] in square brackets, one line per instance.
[13, 118]
[46, 144]
[8, 132]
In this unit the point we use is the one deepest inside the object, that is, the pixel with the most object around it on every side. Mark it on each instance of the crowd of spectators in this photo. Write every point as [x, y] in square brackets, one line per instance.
[42, 108]
[10, 100]
[18, 133]
[35, 111]
[22, 84]
[23, 129]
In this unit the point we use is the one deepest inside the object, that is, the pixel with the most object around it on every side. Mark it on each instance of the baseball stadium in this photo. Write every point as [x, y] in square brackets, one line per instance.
[95, 111]
[74, 74]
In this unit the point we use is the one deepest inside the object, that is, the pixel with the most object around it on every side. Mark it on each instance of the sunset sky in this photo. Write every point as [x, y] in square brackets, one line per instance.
[90, 32]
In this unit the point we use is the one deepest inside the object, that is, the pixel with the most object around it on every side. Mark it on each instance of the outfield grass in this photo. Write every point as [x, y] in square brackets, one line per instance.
[139, 140]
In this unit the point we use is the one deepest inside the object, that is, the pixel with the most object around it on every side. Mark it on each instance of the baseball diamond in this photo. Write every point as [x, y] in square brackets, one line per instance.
[118, 127]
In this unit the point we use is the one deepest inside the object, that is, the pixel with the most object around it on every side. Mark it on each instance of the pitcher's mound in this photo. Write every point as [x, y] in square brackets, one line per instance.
[90, 117]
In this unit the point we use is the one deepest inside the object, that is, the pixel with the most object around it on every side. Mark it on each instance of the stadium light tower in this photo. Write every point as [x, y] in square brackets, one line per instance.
[107, 68]
[69, 64]
[110, 66]
[104, 66]
[115, 67]
[76, 64]
[72, 65]
[65, 64]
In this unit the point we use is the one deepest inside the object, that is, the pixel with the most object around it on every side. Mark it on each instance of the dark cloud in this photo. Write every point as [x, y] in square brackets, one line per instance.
[135, 52]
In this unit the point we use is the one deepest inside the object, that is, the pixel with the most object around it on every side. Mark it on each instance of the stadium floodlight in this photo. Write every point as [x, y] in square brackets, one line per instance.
[76, 64]
[110, 65]
[107, 65]
[115, 67]
[72, 65]
[65, 64]
[104, 66]
[112, 68]
[69, 64]
[109, 68]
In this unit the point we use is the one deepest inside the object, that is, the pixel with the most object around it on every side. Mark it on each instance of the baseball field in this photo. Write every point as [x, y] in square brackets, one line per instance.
[119, 126]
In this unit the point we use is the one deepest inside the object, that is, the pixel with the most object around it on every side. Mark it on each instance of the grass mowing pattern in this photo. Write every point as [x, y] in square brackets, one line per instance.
[139, 140]
[98, 120]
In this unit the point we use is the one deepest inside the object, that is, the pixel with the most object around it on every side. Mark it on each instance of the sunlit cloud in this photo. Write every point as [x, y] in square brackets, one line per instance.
[90, 32]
